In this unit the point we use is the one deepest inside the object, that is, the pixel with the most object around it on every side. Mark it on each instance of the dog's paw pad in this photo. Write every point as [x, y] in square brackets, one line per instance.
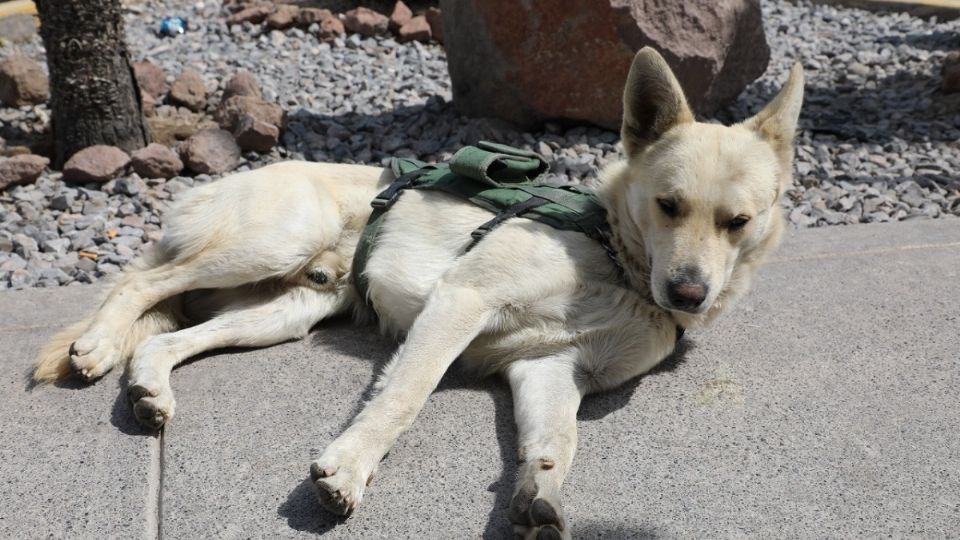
[537, 516]
[152, 408]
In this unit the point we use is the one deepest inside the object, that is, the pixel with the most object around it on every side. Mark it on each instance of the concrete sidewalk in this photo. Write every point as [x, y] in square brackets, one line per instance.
[825, 405]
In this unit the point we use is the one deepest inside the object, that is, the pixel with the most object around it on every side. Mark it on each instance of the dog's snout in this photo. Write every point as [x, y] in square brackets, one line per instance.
[686, 293]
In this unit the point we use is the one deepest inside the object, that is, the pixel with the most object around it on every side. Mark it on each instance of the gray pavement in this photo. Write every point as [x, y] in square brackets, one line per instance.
[824, 405]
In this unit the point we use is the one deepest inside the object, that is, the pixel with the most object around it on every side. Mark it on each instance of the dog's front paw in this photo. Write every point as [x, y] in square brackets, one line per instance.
[339, 482]
[153, 407]
[537, 515]
[93, 355]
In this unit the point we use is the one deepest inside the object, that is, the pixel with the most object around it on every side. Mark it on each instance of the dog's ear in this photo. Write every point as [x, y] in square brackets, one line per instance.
[653, 102]
[777, 122]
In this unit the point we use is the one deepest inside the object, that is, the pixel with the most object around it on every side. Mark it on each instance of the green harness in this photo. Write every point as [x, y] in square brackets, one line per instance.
[505, 180]
[502, 179]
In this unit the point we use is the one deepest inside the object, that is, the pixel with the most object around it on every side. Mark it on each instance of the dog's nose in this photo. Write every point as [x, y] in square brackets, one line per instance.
[687, 294]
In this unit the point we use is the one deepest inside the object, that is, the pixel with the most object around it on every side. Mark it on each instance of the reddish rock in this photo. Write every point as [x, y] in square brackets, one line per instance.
[22, 82]
[400, 16]
[284, 17]
[98, 163]
[232, 110]
[242, 84]
[308, 16]
[151, 79]
[170, 124]
[256, 135]
[253, 14]
[148, 103]
[951, 73]
[19, 170]
[365, 21]
[212, 151]
[416, 29]
[435, 18]
[330, 28]
[527, 67]
[189, 90]
[156, 161]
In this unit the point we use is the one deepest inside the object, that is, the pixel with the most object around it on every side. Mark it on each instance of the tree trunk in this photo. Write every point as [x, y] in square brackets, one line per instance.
[94, 97]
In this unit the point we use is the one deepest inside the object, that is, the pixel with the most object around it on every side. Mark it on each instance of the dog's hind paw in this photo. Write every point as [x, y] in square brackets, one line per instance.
[339, 487]
[152, 408]
[536, 516]
[92, 356]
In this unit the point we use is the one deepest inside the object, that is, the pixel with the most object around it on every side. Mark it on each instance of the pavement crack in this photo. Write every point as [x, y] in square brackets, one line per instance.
[153, 526]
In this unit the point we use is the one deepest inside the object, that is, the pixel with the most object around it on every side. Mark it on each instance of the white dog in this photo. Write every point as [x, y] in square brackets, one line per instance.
[260, 257]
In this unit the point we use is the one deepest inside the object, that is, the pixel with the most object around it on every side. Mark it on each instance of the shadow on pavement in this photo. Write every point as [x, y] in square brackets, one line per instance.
[303, 512]
[597, 406]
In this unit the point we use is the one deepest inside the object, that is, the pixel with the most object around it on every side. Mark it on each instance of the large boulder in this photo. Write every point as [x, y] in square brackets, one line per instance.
[541, 63]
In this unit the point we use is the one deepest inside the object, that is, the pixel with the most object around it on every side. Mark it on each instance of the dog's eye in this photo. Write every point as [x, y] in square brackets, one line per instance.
[668, 207]
[737, 223]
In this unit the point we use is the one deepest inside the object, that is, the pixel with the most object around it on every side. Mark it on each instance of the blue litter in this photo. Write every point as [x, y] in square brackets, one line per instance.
[173, 26]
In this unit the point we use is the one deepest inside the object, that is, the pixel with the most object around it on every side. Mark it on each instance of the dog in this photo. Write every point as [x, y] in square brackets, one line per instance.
[260, 257]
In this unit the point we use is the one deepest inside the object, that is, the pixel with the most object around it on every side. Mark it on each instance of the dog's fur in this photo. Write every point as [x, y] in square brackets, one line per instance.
[260, 257]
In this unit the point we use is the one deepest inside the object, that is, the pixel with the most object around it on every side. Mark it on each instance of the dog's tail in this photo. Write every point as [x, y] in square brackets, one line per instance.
[53, 362]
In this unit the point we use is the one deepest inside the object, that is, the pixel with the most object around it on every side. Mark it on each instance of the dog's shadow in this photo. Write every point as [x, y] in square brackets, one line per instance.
[303, 512]
[121, 413]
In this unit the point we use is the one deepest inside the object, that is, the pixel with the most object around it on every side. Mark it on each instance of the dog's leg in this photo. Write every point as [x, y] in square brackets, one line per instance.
[451, 319]
[288, 315]
[546, 397]
[99, 349]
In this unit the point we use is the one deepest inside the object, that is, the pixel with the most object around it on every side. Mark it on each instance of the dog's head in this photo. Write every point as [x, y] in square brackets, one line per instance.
[702, 198]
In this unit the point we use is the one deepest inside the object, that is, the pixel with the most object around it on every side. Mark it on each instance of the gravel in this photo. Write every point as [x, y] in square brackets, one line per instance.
[879, 142]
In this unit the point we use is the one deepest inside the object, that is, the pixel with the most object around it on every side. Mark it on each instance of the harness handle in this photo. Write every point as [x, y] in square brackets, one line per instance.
[496, 164]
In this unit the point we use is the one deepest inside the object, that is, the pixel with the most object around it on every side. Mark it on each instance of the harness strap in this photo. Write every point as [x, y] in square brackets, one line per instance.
[381, 203]
[513, 211]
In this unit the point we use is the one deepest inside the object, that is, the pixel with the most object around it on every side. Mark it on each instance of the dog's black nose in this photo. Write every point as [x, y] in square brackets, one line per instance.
[686, 294]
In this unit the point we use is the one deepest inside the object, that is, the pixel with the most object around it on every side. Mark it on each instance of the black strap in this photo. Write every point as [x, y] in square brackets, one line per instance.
[512, 211]
[385, 199]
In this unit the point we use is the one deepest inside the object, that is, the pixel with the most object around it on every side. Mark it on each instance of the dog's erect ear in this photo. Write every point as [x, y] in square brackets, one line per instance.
[653, 102]
[777, 122]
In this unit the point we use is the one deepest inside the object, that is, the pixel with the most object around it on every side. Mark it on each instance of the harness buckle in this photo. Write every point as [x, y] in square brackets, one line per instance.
[387, 197]
[382, 203]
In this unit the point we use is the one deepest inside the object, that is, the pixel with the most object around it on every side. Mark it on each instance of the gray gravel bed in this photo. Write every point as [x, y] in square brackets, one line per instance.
[879, 142]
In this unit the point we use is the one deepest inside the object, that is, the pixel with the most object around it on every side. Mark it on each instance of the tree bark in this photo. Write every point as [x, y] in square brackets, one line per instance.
[94, 97]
